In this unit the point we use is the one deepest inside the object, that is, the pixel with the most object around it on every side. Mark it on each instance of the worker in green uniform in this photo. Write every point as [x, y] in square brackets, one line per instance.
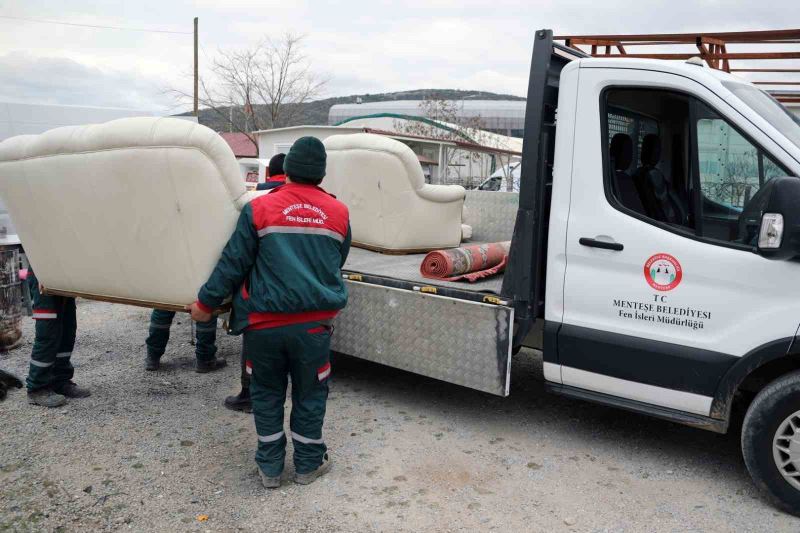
[205, 348]
[275, 178]
[283, 266]
[275, 174]
[50, 375]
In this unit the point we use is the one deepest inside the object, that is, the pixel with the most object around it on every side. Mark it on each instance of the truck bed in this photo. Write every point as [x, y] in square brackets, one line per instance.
[458, 332]
[491, 215]
[405, 268]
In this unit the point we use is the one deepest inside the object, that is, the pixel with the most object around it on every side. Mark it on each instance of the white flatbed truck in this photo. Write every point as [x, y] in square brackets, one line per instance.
[655, 258]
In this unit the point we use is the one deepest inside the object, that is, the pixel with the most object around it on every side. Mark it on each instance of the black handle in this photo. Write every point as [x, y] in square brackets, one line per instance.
[594, 243]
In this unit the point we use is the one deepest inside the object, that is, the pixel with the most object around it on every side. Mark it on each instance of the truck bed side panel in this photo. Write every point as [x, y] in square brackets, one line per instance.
[461, 342]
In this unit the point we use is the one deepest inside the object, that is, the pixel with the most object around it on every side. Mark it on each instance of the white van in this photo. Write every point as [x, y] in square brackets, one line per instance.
[499, 179]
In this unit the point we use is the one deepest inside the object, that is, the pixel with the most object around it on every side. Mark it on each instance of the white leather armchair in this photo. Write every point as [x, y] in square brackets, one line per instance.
[392, 209]
[134, 210]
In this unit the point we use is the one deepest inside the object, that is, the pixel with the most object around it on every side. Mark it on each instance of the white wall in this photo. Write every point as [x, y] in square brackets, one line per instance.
[271, 142]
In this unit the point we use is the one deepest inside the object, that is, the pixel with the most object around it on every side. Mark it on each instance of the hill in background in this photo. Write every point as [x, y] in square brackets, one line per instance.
[314, 113]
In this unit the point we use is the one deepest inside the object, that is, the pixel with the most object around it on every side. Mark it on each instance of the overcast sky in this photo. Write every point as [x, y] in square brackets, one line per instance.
[362, 46]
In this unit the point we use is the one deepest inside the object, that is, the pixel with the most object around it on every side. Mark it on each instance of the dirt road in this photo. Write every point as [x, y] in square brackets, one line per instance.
[158, 452]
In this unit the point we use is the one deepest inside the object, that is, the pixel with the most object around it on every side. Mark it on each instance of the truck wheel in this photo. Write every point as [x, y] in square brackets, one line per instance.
[771, 441]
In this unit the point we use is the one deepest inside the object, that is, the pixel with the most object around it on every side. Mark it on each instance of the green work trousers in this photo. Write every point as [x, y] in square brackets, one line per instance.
[56, 326]
[302, 352]
[160, 322]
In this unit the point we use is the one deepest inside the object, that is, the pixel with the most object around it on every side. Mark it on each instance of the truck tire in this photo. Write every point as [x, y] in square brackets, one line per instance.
[771, 441]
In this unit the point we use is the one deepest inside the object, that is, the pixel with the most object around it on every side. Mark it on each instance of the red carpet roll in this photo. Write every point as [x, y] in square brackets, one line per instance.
[469, 263]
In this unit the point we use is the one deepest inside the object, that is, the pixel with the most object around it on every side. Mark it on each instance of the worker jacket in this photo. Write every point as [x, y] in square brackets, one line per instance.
[272, 182]
[283, 262]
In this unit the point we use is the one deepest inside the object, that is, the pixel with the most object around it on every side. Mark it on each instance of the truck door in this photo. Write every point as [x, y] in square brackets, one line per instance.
[662, 291]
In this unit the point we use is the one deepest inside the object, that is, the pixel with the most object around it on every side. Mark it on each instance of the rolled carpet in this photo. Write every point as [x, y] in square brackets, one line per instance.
[469, 263]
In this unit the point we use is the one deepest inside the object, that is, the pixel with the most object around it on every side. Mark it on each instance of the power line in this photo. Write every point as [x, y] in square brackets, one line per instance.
[94, 26]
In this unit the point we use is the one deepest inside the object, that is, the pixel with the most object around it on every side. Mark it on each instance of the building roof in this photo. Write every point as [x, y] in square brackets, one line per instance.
[462, 107]
[513, 149]
[492, 114]
[391, 123]
[241, 144]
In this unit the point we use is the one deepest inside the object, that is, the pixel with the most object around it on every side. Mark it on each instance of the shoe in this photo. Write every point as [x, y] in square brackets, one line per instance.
[269, 482]
[46, 398]
[240, 402]
[70, 390]
[310, 477]
[152, 363]
[204, 367]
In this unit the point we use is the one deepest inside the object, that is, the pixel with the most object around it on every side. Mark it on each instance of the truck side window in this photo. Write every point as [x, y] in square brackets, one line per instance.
[674, 161]
[731, 169]
[646, 134]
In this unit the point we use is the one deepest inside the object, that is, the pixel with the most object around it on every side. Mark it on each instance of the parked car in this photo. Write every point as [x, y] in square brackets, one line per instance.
[499, 180]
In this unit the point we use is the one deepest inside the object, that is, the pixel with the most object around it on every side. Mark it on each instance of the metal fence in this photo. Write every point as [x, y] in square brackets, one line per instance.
[10, 298]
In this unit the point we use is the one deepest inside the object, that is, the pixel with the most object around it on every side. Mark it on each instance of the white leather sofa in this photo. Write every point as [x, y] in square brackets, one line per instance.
[392, 209]
[135, 210]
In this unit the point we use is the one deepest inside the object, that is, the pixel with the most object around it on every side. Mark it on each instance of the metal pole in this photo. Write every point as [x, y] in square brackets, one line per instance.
[196, 71]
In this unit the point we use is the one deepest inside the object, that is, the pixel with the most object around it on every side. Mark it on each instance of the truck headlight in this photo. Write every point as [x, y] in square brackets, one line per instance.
[771, 233]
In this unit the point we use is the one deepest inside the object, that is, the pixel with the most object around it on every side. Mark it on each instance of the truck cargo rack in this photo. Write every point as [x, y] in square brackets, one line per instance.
[756, 48]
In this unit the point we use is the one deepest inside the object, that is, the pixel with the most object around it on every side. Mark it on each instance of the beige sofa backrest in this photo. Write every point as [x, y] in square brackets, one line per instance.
[391, 206]
[136, 209]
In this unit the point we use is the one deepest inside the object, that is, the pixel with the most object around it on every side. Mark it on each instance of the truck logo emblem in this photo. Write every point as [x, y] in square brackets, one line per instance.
[663, 272]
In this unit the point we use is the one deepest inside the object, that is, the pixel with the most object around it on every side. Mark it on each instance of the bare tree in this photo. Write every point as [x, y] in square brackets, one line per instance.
[737, 181]
[445, 113]
[260, 87]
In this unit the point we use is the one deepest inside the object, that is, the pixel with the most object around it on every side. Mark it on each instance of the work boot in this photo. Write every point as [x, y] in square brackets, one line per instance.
[71, 390]
[269, 482]
[46, 398]
[204, 367]
[152, 363]
[240, 402]
[310, 477]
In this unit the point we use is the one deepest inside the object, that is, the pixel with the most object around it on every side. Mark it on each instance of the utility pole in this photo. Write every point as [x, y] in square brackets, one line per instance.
[196, 71]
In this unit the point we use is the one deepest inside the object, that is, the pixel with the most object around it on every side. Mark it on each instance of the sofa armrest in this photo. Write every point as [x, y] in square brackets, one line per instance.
[442, 193]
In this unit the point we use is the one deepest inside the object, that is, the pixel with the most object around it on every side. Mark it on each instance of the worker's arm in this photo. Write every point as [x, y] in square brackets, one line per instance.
[346, 245]
[237, 259]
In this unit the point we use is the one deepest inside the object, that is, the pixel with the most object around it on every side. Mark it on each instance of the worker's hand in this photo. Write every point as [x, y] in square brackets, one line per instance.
[198, 315]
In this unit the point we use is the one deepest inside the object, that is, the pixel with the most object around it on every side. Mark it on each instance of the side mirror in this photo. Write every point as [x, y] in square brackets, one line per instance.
[776, 210]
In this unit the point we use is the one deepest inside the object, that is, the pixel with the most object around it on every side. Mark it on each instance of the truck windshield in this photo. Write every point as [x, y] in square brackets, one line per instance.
[765, 105]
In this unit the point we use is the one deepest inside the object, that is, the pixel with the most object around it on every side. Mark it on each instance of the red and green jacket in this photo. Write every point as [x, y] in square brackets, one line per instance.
[283, 262]
[272, 182]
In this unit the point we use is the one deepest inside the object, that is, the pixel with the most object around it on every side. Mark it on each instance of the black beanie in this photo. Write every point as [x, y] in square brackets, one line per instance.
[276, 165]
[306, 160]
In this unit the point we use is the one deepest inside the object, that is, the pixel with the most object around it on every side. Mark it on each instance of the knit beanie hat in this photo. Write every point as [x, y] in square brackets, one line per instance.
[276, 165]
[306, 160]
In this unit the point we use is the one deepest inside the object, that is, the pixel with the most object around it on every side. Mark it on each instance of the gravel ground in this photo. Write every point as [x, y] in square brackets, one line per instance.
[158, 452]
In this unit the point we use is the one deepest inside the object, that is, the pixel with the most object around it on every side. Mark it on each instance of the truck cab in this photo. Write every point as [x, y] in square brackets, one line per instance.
[655, 280]
[654, 251]
[669, 207]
